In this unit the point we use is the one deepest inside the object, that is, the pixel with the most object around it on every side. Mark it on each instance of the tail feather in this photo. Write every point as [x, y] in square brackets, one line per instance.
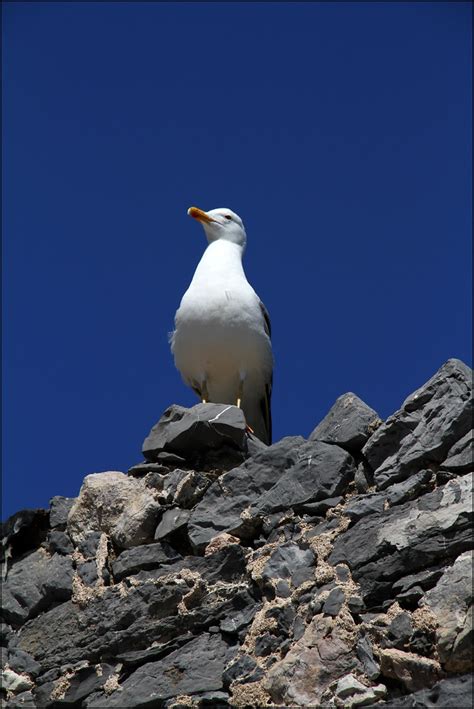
[259, 416]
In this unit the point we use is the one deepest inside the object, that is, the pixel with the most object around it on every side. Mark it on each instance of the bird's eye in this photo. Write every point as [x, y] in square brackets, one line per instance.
[227, 216]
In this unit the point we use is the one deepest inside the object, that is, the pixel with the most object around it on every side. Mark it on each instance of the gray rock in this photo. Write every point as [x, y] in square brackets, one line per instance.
[6, 634]
[146, 556]
[408, 489]
[365, 505]
[13, 682]
[85, 681]
[181, 487]
[216, 699]
[59, 508]
[242, 670]
[266, 644]
[382, 548]
[20, 661]
[396, 494]
[88, 572]
[171, 521]
[106, 625]
[424, 579]
[195, 667]
[349, 685]
[287, 562]
[194, 432]
[137, 522]
[89, 544]
[321, 471]
[134, 658]
[333, 603]
[142, 469]
[24, 699]
[226, 564]
[59, 542]
[366, 657]
[342, 572]
[224, 505]
[239, 620]
[319, 508]
[430, 421]
[23, 531]
[400, 632]
[34, 583]
[461, 456]
[191, 489]
[450, 693]
[355, 604]
[349, 424]
[450, 601]
[121, 506]
[169, 484]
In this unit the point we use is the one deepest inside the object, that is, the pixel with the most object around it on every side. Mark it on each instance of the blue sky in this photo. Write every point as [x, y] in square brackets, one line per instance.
[341, 134]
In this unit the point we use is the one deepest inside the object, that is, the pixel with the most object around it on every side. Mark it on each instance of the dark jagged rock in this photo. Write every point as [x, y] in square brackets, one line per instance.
[365, 654]
[107, 624]
[193, 433]
[383, 547]
[20, 661]
[396, 494]
[460, 457]
[241, 670]
[423, 431]
[451, 693]
[59, 510]
[198, 666]
[33, 584]
[59, 542]
[348, 424]
[223, 505]
[225, 573]
[321, 471]
[144, 557]
[171, 521]
[289, 561]
[333, 603]
[23, 531]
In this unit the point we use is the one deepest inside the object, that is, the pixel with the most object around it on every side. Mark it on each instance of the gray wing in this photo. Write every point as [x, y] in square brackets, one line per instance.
[265, 401]
[266, 319]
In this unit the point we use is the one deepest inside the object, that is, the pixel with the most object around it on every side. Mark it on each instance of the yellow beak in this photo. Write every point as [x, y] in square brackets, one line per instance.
[200, 215]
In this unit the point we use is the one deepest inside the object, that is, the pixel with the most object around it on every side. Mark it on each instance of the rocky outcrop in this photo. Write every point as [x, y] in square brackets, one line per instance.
[334, 571]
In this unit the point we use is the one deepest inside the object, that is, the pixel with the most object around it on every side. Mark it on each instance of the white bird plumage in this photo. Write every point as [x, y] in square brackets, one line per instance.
[221, 342]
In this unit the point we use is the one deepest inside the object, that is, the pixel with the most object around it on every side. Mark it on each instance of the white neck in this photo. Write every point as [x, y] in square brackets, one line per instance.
[222, 260]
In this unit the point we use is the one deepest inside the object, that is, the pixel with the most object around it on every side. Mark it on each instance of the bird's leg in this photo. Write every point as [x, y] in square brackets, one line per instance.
[240, 393]
[204, 392]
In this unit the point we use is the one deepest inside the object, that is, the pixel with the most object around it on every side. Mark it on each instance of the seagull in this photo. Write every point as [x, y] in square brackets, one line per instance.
[221, 342]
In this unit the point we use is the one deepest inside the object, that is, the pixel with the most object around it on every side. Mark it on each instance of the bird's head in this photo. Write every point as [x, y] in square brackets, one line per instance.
[221, 223]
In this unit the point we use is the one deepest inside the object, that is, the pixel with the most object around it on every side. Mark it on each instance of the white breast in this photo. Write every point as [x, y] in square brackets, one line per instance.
[220, 335]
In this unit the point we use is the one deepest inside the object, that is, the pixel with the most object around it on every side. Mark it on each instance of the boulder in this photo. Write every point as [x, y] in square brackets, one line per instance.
[349, 424]
[424, 430]
[194, 433]
[116, 504]
[33, 583]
